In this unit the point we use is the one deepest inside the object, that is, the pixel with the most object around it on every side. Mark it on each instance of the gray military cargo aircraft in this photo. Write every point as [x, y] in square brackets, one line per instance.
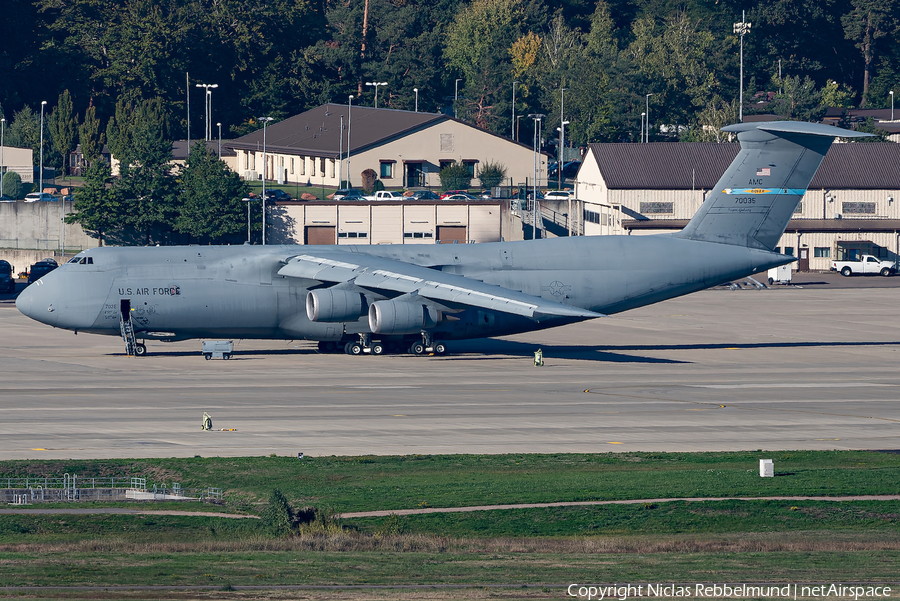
[377, 299]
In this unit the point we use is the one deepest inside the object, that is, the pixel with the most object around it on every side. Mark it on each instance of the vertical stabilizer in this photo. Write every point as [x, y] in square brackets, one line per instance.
[755, 198]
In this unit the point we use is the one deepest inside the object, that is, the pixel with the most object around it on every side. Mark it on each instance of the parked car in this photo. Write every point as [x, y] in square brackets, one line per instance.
[425, 195]
[864, 264]
[449, 192]
[40, 269]
[459, 196]
[7, 280]
[348, 194]
[559, 194]
[386, 195]
[40, 197]
[277, 195]
[6, 199]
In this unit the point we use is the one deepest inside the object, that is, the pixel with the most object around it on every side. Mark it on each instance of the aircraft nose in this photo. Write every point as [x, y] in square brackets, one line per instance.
[35, 302]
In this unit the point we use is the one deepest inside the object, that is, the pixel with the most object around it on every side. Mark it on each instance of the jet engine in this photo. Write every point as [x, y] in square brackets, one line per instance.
[392, 317]
[330, 305]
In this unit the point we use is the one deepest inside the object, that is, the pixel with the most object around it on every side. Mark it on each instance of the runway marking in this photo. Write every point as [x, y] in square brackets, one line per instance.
[826, 438]
[614, 443]
[399, 416]
[386, 387]
[38, 449]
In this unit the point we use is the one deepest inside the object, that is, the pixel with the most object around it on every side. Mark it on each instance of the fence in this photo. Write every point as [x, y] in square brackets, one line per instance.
[73, 488]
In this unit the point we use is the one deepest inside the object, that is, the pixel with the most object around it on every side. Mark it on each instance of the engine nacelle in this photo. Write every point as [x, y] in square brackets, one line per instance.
[392, 317]
[331, 305]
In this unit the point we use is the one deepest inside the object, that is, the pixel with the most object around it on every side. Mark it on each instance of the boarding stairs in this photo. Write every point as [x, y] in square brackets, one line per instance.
[126, 326]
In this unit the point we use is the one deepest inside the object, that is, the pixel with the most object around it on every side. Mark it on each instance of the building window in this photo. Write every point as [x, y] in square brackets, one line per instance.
[418, 234]
[445, 163]
[302, 165]
[332, 168]
[353, 234]
[822, 252]
[666, 208]
[322, 165]
[858, 208]
[799, 208]
[470, 167]
[292, 165]
[591, 216]
[387, 169]
[789, 251]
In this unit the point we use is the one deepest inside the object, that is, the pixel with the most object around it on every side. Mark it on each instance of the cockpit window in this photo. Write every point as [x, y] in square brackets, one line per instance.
[82, 260]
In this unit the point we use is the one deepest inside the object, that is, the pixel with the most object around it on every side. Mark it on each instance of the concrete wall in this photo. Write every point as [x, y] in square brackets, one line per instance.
[38, 226]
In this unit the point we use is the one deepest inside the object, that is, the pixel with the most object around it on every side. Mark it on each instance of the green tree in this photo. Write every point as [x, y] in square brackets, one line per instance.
[90, 136]
[210, 205]
[867, 21]
[455, 176]
[798, 100]
[137, 137]
[97, 207]
[25, 130]
[834, 96]
[279, 518]
[491, 174]
[63, 128]
[12, 185]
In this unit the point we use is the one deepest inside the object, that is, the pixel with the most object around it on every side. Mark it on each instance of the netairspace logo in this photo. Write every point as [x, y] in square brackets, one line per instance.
[623, 592]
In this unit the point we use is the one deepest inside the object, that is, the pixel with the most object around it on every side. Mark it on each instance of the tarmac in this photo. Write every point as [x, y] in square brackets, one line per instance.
[807, 366]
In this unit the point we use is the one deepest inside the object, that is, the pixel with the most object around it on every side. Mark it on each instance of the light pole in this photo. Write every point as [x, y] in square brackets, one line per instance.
[892, 104]
[265, 121]
[647, 108]
[534, 201]
[207, 128]
[376, 84]
[517, 127]
[561, 160]
[416, 90]
[513, 123]
[643, 115]
[456, 96]
[742, 29]
[2, 132]
[41, 172]
[562, 137]
[349, 115]
[248, 201]
[341, 155]
[220, 140]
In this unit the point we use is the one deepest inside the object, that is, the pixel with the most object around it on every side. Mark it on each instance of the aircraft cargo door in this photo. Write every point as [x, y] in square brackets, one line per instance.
[320, 234]
[451, 234]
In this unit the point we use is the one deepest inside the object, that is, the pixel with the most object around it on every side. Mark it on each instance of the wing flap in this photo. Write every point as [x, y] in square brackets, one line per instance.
[405, 278]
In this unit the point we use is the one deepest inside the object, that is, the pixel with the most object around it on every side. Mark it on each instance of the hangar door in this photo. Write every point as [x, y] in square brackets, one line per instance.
[320, 234]
[451, 234]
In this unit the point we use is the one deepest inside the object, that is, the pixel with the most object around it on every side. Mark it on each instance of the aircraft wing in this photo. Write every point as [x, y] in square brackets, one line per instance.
[378, 273]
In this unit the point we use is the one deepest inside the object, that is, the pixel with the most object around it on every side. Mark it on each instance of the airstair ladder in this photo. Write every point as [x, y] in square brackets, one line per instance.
[127, 328]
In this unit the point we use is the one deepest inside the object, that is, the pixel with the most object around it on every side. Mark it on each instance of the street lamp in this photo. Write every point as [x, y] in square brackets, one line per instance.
[2, 132]
[537, 125]
[456, 96]
[562, 137]
[416, 90]
[517, 127]
[647, 108]
[376, 84]
[643, 115]
[513, 122]
[742, 28]
[892, 104]
[248, 201]
[41, 172]
[265, 121]
[220, 140]
[561, 160]
[207, 128]
[349, 115]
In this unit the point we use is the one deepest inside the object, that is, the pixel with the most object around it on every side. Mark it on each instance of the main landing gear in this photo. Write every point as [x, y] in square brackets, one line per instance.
[366, 346]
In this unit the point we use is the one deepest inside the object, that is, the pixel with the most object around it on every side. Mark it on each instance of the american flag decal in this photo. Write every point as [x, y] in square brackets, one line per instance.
[764, 171]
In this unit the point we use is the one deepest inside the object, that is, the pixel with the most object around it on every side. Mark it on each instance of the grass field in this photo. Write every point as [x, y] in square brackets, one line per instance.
[712, 541]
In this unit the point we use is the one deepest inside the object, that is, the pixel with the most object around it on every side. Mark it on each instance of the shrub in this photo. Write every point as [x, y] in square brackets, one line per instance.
[491, 174]
[369, 177]
[12, 185]
[455, 177]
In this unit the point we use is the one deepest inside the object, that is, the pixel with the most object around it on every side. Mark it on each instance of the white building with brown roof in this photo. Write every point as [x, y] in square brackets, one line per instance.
[336, 142]
[852, 205]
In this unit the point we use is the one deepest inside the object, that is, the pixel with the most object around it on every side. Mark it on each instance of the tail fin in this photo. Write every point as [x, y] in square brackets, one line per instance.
[755, 198]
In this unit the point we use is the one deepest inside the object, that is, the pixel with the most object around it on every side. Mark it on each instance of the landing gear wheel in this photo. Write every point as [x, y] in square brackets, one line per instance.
[140, 349]
[417, 348]
[355, 348]
[440, 348]
[846, 272]
[327, 346]
[377, 349]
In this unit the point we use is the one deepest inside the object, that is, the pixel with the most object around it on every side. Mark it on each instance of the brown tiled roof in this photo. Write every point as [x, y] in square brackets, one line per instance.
[699, 165]
[317, 131]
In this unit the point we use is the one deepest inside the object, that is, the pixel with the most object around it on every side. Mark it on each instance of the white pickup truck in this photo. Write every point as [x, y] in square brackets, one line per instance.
[385, 195]
[866, 264]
